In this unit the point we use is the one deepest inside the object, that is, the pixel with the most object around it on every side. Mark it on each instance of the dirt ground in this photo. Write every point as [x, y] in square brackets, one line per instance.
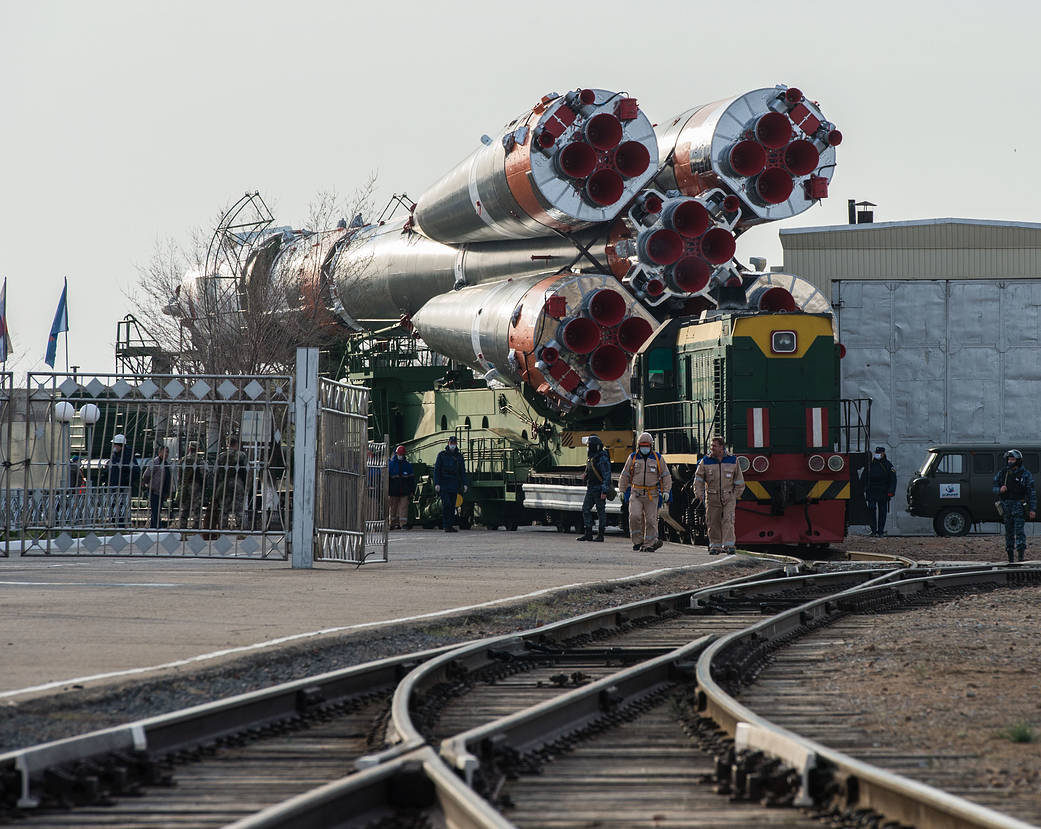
[960, 678]
[973, 547]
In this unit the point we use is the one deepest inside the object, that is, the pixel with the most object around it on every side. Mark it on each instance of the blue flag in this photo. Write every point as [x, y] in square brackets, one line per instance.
[60, 324]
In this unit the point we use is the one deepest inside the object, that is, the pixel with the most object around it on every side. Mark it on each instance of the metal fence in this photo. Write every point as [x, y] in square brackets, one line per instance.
[6, 445]
[168, 465]
[350, 520]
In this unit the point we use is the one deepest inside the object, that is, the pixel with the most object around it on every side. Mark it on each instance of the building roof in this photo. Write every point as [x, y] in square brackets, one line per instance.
[919, 233]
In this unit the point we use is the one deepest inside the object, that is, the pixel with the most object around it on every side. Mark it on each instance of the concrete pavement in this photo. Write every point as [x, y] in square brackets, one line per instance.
[65, 620]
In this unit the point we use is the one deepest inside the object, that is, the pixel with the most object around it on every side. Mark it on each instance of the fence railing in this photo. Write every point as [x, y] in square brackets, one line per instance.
[187, 465]
[350, 518]
[190, 465]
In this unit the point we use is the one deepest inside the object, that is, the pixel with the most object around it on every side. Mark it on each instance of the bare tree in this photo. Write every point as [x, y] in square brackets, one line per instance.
[242, 298]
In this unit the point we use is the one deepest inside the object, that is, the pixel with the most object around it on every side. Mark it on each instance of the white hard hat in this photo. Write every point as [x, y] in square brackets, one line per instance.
[119, 439]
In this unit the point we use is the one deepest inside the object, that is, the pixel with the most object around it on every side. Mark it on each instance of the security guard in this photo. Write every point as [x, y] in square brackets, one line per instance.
[1014, 486]
[646, 481]
[718, 483]
[598, 483]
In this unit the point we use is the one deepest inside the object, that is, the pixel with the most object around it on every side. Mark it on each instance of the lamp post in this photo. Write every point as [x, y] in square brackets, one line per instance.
[58, 502]
[89, 414]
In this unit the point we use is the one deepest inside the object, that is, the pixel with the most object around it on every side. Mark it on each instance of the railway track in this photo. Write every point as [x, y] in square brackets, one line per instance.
[623, 717]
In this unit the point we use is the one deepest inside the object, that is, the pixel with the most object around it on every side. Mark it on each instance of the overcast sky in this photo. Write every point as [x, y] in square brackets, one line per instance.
[128, 122]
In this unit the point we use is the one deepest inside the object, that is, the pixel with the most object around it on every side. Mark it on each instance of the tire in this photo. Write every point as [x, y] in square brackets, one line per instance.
[954, 521]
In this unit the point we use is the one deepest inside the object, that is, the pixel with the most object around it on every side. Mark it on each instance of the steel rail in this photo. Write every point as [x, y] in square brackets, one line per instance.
[202, 724]
[553, 718]
[403, 734]
[416, 780]
[861, 785]
[865, 555]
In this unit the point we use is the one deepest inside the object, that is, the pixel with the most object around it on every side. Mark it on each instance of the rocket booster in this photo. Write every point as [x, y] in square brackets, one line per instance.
[570, 337]
[569, 162]
[772, 148]
[661, 248]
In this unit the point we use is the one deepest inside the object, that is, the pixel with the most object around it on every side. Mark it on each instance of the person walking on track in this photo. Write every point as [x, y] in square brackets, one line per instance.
[401, 485]
[647, 484]
[598, 484]
[450, 480]
[718, 483]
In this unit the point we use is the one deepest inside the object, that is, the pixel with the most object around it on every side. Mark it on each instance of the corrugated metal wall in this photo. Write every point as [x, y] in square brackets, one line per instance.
[945, 361]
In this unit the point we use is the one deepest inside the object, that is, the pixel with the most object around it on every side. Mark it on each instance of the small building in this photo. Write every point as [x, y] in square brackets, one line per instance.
[941, 319]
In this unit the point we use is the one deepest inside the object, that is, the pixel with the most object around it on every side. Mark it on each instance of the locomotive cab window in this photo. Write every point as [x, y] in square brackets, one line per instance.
[783, 342]
[660, 368]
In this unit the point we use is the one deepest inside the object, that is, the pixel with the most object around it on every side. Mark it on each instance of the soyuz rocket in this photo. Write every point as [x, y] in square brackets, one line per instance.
[550, 254]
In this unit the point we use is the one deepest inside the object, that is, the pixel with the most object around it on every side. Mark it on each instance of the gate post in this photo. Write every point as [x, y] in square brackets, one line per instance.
[305, 450]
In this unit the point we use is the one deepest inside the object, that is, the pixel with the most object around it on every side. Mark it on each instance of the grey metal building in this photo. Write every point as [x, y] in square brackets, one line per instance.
[941, 319]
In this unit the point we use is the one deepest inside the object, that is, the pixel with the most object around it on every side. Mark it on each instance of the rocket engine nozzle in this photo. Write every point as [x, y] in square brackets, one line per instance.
[631, 158]
[660, 246]
[687, 217]
[606, 307]
[718, 245]
[603, 131]
[774, 186]
[608, 362]
[580, 335]
[604, 188]
[777, 299]
[773, 130]
[576, 160]
[747, 158]
[801, 157]
[690, 275]
[633, 333]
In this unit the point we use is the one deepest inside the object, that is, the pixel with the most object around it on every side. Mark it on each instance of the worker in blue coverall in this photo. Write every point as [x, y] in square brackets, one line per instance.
[449, 480]
[1014, 486]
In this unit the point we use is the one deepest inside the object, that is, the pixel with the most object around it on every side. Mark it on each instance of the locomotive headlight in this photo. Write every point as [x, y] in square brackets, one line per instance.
[782, 342]
[743, 462]
[836, 463]
[815, 463]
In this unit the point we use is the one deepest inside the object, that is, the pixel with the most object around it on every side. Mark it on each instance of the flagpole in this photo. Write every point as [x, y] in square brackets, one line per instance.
[66, 325]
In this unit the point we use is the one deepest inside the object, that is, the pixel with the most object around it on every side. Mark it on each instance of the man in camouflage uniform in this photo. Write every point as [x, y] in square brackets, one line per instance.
[229, 487]
[194, 472]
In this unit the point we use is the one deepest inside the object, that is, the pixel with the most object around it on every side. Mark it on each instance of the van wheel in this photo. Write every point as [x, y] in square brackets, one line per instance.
[954, 521]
